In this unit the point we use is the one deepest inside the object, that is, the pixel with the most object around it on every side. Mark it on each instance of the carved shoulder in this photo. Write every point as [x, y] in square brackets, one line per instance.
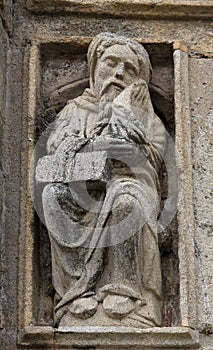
[65, 125]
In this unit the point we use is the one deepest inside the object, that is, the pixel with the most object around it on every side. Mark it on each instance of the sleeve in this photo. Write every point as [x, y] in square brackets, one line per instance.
[63, 127]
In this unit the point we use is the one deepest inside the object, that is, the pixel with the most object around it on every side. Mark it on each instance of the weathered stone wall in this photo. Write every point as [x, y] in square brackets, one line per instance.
[3, 67]
[201, 87]
[46, 24]
[11, 109]
[3, 43]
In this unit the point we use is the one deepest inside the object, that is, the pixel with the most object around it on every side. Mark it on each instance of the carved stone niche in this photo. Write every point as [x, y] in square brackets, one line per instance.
[58, 72]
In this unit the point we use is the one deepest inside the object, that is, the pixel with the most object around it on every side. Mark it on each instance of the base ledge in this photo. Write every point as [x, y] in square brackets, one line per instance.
[86, 337]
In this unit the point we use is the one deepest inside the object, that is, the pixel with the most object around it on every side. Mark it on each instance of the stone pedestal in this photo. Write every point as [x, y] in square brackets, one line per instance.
[109, 338]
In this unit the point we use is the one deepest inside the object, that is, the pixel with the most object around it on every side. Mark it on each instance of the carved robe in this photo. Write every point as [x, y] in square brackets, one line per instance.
[95, 252]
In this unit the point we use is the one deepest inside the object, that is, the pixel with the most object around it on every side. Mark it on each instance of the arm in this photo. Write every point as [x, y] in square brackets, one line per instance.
[64, 127]
[133, 117]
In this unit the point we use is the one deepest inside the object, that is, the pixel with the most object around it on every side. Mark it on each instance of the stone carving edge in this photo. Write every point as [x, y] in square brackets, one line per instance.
[147, 9]
[100, 337]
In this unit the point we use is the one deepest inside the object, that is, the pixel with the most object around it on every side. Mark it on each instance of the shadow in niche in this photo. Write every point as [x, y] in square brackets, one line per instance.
[64, 77]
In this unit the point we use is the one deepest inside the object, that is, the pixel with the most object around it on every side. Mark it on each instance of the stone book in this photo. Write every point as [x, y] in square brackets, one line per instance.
[86, 166]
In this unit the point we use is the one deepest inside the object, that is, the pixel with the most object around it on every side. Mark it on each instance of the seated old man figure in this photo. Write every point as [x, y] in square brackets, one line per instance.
[102, 224]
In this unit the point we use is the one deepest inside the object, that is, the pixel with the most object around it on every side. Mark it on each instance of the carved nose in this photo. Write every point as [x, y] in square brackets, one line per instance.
[120, 72]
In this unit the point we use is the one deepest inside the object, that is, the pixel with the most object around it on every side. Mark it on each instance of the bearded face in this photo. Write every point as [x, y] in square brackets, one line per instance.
[116, 69]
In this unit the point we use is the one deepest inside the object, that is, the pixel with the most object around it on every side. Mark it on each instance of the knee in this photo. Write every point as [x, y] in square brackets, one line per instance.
[125, 202]
[49, 191]
[55, 191]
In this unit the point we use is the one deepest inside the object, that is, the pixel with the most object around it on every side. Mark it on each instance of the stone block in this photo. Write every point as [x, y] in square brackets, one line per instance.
[87, 166]
[91, 166]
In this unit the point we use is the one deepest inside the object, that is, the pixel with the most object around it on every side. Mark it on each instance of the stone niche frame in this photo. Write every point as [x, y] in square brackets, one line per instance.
[33, 336]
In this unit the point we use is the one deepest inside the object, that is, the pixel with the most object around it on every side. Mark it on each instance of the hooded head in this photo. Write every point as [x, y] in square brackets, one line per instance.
[116, 61]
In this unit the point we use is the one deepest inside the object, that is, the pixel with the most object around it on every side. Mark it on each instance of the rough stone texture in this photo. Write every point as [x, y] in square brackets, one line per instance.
[3, 44]
[201, 108]
[165, 8]
[3, 60]
[88, 167]
[10, 167]
[28, 28]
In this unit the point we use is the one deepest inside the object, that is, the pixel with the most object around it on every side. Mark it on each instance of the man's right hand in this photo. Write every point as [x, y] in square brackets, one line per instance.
[136, 96]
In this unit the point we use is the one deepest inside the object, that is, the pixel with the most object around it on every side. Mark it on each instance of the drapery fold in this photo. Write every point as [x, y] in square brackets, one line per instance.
[75, 229]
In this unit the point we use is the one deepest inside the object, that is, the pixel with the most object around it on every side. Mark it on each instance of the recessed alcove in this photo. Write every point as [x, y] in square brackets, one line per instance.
[58, 72]
[64, 76]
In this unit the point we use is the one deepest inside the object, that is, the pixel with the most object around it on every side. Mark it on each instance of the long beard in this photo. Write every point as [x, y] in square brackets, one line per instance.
[111, 92]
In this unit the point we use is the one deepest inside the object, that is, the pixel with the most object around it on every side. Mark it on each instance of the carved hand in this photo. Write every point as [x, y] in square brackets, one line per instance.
[119, 149]
[136, 97]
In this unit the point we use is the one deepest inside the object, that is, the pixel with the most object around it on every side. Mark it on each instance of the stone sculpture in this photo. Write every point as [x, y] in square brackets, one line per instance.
[102, 201]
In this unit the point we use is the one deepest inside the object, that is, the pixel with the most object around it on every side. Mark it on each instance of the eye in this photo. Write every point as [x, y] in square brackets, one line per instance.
[130, 69]
[110, 62]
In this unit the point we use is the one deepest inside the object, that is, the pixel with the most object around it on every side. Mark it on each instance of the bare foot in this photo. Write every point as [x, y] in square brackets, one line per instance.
[84, 307]
[118, 306]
